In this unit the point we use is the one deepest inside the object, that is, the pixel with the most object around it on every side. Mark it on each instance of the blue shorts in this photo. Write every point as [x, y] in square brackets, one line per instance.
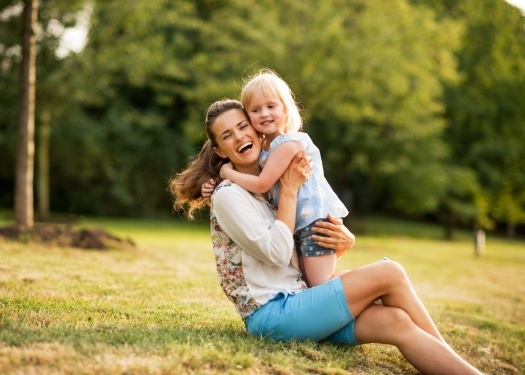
[318, 313]
[305, 246]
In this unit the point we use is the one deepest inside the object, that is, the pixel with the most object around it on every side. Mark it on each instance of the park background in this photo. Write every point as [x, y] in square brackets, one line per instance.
[418, 107]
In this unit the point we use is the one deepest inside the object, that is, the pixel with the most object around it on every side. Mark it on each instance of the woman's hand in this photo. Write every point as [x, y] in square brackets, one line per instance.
[338, 237]
[297, 173]
[291, 181]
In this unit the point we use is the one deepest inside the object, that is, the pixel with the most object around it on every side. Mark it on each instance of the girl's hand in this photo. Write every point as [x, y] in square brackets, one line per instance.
[224, 168]
[207, 188]
[338, 237]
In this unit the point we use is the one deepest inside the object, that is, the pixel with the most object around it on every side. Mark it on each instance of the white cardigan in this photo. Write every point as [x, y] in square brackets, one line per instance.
[254, 253]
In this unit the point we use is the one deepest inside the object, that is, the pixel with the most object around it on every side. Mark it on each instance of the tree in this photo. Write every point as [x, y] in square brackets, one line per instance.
[54, 84]
[51, 92]
[133, 88]
[9, 96]
[486, 109]
[26, 128]
[371, 86]
[369, 81]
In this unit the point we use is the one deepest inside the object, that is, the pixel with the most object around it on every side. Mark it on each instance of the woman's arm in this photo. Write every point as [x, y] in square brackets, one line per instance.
[291, 181]
[240, 216]
[339, 237]
[278, 161]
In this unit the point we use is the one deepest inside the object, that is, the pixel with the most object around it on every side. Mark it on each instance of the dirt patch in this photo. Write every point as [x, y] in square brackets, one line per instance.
[67, 236]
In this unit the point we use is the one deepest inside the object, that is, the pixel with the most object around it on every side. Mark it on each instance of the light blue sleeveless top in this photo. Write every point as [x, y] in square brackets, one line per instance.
[315, 199]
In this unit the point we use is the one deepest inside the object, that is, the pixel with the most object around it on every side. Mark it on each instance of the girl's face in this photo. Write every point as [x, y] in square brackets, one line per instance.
[266, 114]
[237, 140]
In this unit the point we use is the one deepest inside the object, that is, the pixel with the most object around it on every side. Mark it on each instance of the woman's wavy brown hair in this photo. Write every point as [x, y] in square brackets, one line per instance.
[185, 187]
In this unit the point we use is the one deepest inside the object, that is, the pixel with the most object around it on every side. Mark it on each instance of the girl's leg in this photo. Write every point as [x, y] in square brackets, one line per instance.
[391, 325]
[386, 280]
[319, 269]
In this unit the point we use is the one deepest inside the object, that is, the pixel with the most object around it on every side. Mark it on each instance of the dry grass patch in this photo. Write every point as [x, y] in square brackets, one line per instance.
[159, 309]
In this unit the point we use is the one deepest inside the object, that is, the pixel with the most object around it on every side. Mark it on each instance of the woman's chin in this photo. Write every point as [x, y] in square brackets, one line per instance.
[247, 163]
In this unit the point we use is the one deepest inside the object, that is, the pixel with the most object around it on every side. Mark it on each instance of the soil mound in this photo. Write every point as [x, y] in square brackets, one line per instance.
[67, 236]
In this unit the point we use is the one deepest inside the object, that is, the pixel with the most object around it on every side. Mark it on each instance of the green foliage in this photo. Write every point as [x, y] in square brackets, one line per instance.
[417, 107]
[9, 96]
[52, 89]
[375, 111]
[486, 109]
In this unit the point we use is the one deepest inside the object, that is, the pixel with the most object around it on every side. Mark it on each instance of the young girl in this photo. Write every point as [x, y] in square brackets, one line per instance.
[273, 112]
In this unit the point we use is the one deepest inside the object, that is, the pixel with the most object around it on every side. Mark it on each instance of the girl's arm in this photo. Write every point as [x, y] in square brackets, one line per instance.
[275, 166]
[244, 223]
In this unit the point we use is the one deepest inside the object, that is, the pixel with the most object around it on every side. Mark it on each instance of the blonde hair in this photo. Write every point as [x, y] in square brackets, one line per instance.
[271, 85]
[185, 187]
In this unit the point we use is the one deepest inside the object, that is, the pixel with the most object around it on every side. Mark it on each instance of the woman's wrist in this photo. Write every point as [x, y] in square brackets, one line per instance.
[288, 190]
[287, 207]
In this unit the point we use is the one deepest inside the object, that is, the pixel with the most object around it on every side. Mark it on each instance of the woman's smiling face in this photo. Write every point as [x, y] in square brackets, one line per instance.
[237, 140]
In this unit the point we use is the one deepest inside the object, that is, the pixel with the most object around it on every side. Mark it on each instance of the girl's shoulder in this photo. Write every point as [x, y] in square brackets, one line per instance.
[296, 136]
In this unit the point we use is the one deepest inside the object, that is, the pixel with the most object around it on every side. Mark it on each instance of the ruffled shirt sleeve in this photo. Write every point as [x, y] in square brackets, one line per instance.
[253, 227]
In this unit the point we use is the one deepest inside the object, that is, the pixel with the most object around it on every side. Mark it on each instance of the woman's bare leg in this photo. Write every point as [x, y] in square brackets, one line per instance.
[387, 280]
[392, 325]
[319, 269]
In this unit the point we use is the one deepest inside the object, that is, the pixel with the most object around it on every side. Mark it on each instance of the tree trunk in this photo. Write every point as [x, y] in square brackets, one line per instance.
[511, 230]
[44, 130]
[26, 126]
[449, 221]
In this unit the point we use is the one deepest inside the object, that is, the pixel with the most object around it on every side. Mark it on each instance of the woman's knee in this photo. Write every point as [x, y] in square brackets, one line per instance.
[399, 318]
[400, 325]
[383, 324]
[393, 270]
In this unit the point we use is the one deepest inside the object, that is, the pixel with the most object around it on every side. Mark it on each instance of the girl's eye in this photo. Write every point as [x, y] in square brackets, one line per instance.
[243, 126]
[226, 136]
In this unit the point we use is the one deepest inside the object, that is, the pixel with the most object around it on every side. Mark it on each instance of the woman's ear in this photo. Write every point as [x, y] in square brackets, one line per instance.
[219, 152]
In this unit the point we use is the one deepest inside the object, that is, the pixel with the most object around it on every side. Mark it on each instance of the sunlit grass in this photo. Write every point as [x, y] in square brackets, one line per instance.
[158, 309]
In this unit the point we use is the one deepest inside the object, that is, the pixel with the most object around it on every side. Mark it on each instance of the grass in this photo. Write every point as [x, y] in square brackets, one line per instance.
[159, 310]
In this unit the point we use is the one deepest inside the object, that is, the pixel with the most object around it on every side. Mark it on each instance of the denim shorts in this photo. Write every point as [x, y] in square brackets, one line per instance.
[305, 246]
[318, 313]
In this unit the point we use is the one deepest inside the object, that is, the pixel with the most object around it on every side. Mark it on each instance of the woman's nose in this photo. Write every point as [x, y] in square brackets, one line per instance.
[237, 134]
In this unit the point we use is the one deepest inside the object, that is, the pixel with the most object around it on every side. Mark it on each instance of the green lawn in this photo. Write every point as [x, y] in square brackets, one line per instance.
[159, 309]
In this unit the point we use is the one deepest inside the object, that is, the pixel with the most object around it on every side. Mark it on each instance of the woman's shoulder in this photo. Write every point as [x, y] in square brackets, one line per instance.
[231, 200]
[222, 184]
[227, 189]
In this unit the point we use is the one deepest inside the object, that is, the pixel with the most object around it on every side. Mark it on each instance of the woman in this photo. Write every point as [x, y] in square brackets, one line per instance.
[257, 265]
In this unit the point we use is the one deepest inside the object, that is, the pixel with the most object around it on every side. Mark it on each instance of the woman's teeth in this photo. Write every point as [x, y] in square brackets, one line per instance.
[245, 147]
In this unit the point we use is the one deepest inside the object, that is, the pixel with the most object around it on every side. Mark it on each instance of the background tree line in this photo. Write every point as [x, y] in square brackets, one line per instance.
[418, 106]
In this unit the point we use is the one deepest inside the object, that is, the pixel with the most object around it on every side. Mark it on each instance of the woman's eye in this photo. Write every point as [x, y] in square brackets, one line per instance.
[243, 126]
[226, 136]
